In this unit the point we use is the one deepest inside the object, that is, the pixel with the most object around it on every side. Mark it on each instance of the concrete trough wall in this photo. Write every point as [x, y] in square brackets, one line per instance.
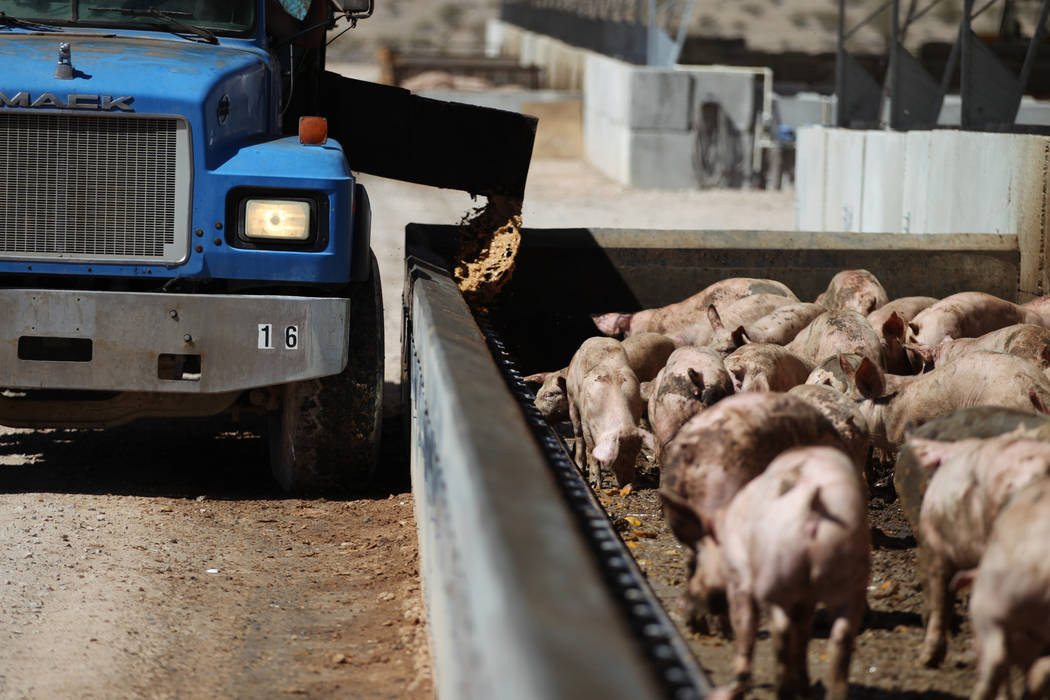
[929, 182]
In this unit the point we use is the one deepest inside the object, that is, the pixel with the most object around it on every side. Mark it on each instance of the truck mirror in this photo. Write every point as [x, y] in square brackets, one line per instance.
[358, 7]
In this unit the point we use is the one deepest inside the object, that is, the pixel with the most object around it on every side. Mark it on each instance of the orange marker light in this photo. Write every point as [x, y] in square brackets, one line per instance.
[313, 131]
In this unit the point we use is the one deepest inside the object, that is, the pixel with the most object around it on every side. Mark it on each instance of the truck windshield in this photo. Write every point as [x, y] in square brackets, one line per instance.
[219, 16]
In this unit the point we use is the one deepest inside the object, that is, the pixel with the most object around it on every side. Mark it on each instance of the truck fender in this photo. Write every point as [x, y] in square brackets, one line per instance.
[360, 257]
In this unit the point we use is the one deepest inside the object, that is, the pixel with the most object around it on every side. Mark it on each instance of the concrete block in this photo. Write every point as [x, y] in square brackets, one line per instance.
[733, 90]
[968, 189]
[843, 188]
[659, 99]
[606, 146]
[810, 174]
[802, 109]
[914, 195]
[662, 159]
[882, 179]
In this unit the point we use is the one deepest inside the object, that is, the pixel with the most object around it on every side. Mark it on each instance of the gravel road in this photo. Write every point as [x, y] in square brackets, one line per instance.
[159, 561]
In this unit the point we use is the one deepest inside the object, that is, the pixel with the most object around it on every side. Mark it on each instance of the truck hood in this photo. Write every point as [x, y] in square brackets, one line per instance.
[224, 91]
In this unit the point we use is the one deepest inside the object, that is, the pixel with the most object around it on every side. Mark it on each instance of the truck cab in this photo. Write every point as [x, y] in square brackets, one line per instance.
[171, 243]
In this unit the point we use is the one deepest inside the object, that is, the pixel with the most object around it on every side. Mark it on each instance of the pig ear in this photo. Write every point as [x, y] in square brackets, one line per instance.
[563, 384]
[929, 453]
[715, 319]
[612, 323]
[820, 299]
[740, 337]
[870, 381]
[925, 352]
[698, 382]
[537, 378]
[894, 327]
[648, 439]
[681, 518]
[1037, 402]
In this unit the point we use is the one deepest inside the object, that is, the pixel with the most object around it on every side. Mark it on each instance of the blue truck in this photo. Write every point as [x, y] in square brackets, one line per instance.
[174, 243]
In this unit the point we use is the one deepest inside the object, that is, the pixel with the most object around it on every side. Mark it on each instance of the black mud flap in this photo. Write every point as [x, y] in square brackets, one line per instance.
[389, 132]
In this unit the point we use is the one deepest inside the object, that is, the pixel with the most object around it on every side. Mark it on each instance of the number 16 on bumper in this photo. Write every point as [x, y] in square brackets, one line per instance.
[291, 337]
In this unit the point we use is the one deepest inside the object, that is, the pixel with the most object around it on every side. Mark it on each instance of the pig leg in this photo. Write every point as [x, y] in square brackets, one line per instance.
[791, 641]
[934, 647]
[578, 450]
[743, 614]
[843, 632]
[993, 664]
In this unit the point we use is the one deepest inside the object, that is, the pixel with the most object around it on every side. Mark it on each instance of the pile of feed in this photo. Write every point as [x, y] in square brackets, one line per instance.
[489, 238]
[809, 460]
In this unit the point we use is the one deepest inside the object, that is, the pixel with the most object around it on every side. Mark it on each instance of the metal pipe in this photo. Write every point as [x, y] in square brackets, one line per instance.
[966, 66]
[894, 92]
[1033, 46]
[840, 67]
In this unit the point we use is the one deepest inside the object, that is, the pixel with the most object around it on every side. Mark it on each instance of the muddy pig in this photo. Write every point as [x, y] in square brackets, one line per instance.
[979, 379]
[683, 314]
[765, 367]
[693, 379]
[794, 537]
[605, 407]
[965, 315]
[779, 326]
[646, 355]
[973, 480]
[709, 461]
[844, 415]
[1010, 603]
[857, 290]
[892, 336]
[1023, 340]
[910, 477]
[835, 332]
[829, 373]
[721, 327]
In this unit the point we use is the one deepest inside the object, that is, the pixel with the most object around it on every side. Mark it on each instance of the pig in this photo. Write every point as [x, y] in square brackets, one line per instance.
[646, 355]
[1010, 601]
[551, 400]
[605, 407]
[979, 379]
[794, 537]
[683, 314]
[1025, 340]
[717, 330]
[966, 315]
[857, 290]
[781, 325]
[891, 332]
[910, 478]
[765, 367]
[693, 379]
[711, 458]
[973, 480]
[835, 332]
[844, 415]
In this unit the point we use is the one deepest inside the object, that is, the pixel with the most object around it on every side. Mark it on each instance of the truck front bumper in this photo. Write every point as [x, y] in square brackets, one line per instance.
[181, 343]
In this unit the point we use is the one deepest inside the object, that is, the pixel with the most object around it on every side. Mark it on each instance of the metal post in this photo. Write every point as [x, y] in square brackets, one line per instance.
[966, 66]
[840, 68]
[1033, 46]
[896, 106]
[650, 52]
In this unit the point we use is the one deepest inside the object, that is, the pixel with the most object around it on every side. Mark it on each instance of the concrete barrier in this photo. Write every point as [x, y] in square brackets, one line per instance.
[882, 193]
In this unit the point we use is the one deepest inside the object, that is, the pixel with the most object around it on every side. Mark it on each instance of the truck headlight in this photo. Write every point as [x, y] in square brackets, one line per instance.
[277, 219]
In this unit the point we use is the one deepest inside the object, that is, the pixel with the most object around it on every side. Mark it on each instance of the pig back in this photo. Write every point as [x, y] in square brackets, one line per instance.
[837, 332]
[719, 450]
[844, 415]
[647, 353]
[910, 478]
[781, 325]
[693, 311]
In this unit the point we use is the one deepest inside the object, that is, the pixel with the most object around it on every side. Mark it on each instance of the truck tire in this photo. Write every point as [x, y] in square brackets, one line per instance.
[324, 437]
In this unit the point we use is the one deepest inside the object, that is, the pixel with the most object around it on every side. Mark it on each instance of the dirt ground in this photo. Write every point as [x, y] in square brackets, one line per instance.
[161, 562]
[885, 662]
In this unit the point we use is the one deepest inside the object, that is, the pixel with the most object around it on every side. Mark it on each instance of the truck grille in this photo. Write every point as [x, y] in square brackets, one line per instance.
[93, 187]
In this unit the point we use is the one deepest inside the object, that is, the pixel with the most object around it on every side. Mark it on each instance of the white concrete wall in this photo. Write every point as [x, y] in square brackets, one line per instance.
[939, 182]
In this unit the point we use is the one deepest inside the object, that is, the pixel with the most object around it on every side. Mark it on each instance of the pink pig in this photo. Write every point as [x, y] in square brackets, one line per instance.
[605, 406]
[857, 290]
[794, 537]
[694, 379]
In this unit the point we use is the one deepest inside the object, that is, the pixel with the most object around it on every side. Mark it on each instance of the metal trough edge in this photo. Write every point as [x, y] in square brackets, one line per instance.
[516, 605]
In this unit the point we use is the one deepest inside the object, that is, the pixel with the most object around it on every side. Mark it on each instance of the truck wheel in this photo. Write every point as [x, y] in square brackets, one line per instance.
[325, 435]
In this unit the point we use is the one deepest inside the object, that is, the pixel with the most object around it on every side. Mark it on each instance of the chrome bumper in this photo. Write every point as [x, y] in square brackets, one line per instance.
[115, 341]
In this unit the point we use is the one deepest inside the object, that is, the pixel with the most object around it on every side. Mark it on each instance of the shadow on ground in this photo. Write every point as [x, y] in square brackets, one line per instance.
[179, 458]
